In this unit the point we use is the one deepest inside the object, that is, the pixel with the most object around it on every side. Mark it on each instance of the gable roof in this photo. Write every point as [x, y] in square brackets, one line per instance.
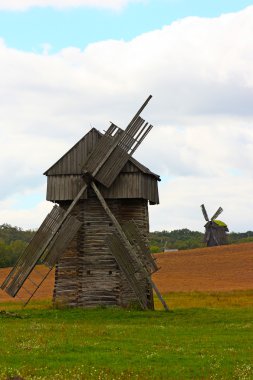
[72, 161]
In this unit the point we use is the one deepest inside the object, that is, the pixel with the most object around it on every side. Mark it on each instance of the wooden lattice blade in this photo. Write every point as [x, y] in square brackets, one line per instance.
[38, 251]
[32, 253]
[141, 245]
[112, 153]
[125, 242]
[114, 149]
[128, 267]
[62, 240]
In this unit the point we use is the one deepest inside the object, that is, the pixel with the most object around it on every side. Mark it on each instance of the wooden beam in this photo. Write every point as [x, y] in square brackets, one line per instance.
[37, 287]
[140, 111]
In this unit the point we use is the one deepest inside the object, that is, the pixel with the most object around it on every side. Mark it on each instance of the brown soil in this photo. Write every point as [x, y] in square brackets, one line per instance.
[44, 292]
[224, 268]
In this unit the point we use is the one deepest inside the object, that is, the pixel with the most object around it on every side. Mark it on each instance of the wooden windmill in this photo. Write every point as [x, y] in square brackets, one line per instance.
[216, 230]
[96, 235]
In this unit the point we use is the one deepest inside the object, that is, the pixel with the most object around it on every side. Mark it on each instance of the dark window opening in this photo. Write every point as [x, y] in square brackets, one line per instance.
[110, 272]
[88, 272]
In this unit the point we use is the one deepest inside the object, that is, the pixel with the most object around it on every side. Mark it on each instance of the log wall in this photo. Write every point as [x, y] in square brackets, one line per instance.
[87, 275]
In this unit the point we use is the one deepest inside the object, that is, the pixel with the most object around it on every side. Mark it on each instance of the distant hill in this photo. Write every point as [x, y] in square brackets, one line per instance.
[13, 240]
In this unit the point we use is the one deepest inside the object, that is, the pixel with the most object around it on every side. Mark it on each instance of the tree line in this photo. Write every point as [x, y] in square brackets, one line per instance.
[13, 241]
[187, 239]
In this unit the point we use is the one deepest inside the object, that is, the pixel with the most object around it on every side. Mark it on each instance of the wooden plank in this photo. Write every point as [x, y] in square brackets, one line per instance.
[127, 185]
[139, 111]
[71, 163]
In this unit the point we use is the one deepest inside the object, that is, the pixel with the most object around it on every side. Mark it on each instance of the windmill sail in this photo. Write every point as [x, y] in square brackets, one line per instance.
[131, 255]
[218, 212]
[38, 251]
[204, 213]
[141, 246]
[128, 267]
[114, 148]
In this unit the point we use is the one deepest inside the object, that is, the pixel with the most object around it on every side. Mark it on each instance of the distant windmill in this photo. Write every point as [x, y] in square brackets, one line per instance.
[215, 233]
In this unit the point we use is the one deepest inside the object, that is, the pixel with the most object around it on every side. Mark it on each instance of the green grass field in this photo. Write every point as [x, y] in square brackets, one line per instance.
[205, 336]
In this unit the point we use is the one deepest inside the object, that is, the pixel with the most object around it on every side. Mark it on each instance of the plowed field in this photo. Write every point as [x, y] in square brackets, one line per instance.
[44, 292]
[224, 268]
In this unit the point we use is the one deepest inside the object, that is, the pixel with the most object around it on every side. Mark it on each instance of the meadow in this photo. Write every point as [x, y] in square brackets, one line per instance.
[206, 335]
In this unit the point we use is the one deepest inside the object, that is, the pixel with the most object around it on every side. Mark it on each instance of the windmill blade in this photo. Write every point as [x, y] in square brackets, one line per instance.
[128, 267]
[137, 240]
[204, 213]
[140, 110]
[32, 253]
[218, 212]
[61, 241]
[131, 251]
[37, 251]
[113, 150]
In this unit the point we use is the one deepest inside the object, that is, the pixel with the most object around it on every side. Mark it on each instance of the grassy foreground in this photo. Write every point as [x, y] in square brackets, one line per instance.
[211, 338]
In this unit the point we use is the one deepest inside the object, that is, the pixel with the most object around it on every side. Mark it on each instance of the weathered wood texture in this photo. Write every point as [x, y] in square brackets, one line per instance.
[215, 235]
[72, 161]
[113, 150]
[87, 275]
[39, 250]
[64, 179]
[127, 185]
[141, 244]
[32, 254]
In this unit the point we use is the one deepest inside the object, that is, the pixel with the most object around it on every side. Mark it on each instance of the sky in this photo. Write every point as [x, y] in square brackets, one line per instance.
[69, 65]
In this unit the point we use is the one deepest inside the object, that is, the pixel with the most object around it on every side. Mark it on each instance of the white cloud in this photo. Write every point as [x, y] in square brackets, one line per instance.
[201, 75]
[60, 4]
[27, 218]
[182, 196]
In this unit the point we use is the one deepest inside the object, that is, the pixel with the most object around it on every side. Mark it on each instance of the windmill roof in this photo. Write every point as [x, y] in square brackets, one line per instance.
[220, 223]
[72, 161]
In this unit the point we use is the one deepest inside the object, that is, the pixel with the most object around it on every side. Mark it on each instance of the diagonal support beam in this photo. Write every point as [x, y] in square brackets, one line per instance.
[127, 243]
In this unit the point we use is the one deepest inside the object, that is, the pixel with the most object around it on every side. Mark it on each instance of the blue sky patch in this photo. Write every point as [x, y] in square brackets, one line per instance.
[30, 30]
